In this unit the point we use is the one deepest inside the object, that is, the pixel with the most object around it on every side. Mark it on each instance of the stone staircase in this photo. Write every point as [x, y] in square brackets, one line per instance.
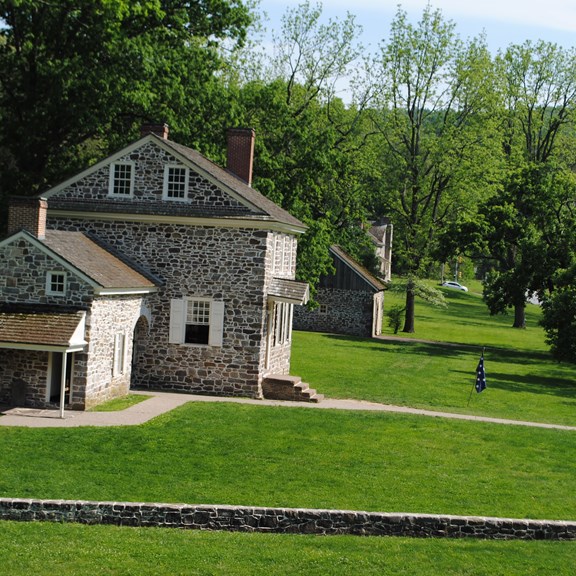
[285, 387]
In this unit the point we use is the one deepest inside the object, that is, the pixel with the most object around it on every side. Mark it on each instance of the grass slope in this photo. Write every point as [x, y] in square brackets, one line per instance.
[272, 456]
[70, 550]
[256, 455]
[524, 382]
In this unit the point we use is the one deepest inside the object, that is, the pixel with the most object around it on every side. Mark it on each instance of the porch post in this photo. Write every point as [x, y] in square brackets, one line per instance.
[63, 384]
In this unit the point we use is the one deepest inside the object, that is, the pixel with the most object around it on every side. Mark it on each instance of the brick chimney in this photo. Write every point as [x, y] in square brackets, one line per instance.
[158, 129]
[28, 214]
[241, 153]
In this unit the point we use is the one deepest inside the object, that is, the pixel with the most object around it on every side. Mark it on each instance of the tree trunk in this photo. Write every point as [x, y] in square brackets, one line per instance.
[519, 316]
[409, 317]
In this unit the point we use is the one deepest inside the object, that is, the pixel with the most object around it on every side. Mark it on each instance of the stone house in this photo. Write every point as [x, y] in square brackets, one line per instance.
[154, 268]
[351, 300]
[381, 233]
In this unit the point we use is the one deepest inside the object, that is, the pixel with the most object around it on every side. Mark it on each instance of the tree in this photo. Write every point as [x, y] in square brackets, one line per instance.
[310, 145]
[530, 220]
[559, 316]
[76, 78]
[439, 134]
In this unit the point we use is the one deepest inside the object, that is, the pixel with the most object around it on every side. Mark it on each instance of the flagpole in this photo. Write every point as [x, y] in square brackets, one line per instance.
[474, 385]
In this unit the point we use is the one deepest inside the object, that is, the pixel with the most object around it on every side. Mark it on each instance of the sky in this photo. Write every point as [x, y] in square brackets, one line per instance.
[505, 22]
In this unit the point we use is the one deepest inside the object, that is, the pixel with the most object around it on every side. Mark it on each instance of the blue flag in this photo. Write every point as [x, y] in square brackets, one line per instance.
[480, 375]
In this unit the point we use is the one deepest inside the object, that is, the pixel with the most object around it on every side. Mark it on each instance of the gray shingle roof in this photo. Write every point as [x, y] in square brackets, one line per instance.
[94, 261]
[266, 206]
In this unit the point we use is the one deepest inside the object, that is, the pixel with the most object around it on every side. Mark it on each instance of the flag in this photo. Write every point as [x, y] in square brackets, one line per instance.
[480, 375]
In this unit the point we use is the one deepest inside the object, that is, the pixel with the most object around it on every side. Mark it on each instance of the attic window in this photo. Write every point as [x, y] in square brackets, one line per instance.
[56, 283]
[175, 182]
[121, 179]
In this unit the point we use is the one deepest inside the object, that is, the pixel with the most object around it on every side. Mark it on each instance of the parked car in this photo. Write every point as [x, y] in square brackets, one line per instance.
[455, 286]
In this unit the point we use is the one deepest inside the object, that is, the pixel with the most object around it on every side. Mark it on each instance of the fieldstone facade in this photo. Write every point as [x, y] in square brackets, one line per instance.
[341, 312]
[350, 301]
[212, 249]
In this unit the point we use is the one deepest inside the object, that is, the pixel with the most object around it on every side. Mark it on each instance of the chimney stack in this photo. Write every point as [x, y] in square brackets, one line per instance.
[241, 153]
[158, 129]
[28, 214]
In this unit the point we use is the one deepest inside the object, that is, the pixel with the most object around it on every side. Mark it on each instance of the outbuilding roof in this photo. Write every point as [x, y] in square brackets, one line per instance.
[357, 268]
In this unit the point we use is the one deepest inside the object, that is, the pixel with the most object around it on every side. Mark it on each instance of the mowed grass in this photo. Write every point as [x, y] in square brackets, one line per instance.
[302, 457]
[72, 550]
[524, 382]
[299, 457]
[466, 320]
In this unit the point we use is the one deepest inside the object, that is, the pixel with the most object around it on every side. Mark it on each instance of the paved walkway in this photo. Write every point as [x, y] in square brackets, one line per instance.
[162, 402]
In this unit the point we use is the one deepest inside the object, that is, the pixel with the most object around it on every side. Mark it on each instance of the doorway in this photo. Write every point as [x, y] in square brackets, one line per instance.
[55, 366]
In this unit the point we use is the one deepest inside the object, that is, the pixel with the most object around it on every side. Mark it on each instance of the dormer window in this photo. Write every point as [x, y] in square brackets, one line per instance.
[121, 179]
[175, 182]
[56, 283]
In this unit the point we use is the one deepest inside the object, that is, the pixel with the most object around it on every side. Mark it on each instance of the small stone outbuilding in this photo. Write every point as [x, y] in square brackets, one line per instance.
[350, 301]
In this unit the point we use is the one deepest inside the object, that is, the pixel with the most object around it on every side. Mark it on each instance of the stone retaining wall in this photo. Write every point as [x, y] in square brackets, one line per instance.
[283, 520]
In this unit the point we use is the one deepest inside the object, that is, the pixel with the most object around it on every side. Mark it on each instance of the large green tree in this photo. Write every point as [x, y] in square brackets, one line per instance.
[77, 77]
[439, 148]
[529, 223]
[310, 146]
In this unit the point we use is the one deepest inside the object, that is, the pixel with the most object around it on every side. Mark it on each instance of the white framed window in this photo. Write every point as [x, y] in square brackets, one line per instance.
[119, 362]
[323, 309]
[196, 321]
[56, 283]
[282, 323]
[175, 182]
[121, 179]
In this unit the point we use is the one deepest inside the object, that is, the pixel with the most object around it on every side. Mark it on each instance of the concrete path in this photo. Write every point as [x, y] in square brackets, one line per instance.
[162, 402]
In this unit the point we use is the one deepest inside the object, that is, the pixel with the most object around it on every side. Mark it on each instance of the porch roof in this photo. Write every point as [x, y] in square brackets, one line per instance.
[42, 328]
[291, 291]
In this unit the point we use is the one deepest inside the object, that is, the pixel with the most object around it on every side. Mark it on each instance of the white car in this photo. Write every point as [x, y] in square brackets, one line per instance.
[455, 286]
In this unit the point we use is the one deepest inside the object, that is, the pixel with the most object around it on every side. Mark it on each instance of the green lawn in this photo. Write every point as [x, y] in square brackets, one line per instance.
[466, 320]
[299, 457]
[73, 550]
[524, 382]
[302, 457]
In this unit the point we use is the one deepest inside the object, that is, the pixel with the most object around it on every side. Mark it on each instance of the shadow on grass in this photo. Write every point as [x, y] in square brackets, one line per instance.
[537, 384]
[391, 344]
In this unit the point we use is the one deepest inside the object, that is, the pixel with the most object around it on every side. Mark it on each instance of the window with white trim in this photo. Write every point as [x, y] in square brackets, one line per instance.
[282, 323]
[175, 182]
[56, 283]
[198, 321]
[119, 362]
[121, 179]
[323, 309]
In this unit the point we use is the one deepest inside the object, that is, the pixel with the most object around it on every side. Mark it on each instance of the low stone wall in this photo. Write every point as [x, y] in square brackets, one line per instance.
[283, 520]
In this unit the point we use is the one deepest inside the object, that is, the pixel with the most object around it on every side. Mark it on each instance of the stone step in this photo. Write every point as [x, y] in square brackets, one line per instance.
[285, 387]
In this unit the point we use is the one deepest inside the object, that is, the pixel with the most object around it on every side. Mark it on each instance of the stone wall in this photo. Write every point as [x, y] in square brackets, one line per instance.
[340, 312]
[224, 264]
[23, 372]
[23, 271]
[148, 161]
[284, 520]
[109, 317]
